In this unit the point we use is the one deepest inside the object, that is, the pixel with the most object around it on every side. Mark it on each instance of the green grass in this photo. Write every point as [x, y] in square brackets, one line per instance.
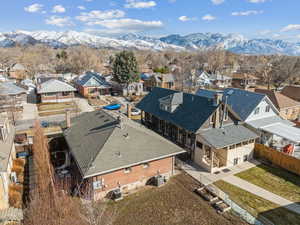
[258, 206]
[173, 204]
[276, 180]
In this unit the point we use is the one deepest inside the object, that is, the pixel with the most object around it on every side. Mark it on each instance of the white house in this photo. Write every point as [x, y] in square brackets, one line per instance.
[258, 111]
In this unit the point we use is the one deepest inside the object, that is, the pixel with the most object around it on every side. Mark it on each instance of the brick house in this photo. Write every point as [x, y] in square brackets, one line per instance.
[92, 84]
[288, 108]
[210, 131]
[18, 72]
[7, 155]
[54, 90]
[110, 154]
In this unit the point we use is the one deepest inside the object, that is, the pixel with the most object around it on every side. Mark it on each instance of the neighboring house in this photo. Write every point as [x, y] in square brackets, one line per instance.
[258, 111]
[220, 80]
[69, 77]
[55, 91]
[292, 92]
[7, 155]
[111, 154]
[135, 88]
[200, 78]
[244, 80]
[17, 71]
[12, 97]
[160, 80]
[92, 84]
[288, 108]
[211, 132]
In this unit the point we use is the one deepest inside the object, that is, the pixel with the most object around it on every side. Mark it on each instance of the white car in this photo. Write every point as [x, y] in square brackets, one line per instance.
[135, 112]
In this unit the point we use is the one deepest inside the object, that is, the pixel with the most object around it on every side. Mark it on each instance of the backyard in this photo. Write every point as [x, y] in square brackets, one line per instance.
[258, 206]
[173, 204]
[49, 109]
[276, 180]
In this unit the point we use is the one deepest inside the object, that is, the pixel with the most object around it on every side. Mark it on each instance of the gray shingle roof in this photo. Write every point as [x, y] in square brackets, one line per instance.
[173, 99]
[99, 145]
[9, 88]
[241, 101]
[228, 135]
[269, 120]
[52, 86]
[98, 80]
[168, 77]
[190, 115]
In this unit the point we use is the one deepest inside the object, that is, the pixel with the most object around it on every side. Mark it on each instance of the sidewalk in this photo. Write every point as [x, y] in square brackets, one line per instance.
[262, 193]
[207, 178]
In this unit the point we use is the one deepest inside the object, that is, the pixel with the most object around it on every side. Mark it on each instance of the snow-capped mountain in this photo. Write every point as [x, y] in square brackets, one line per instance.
[198, 41]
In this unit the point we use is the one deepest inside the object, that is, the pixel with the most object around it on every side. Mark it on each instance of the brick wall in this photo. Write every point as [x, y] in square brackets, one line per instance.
[138, 176]
[57, 98]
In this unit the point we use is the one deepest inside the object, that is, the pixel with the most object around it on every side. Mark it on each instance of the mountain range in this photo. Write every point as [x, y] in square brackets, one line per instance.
[198, 41]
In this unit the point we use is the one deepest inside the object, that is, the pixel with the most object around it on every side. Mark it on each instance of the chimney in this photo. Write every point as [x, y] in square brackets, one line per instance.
[68, 118]
[218, 100]
[129, 107]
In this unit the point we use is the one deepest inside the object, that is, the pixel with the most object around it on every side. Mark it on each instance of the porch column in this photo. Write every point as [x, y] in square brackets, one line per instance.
[211, 160]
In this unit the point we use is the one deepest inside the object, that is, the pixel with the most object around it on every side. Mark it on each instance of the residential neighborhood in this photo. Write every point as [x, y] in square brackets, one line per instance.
[228, 154]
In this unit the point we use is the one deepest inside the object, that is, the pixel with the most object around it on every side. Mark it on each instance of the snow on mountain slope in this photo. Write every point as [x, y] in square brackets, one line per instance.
[197, 41]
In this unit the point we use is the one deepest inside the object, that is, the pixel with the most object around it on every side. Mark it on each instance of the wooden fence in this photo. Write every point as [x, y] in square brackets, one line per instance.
[280, 159]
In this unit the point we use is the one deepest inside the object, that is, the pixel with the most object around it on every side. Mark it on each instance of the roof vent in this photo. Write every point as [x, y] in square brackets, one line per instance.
[118, 154]
[126, 135]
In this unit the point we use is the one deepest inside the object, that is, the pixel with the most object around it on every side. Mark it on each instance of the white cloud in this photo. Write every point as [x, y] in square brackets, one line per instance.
[257, 1]
[247, 13]
[264, 32]
[34, 8]
[59, 21]
[58, 9]
[185, 18]
[217, 2]
[291, 27]
[81, 7]
[139, 4]
[96, 15]
[127, 25]
[208, 17]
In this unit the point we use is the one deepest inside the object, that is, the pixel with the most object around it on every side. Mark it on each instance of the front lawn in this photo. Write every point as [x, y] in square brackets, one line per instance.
[258, 206]
[173, 204]
[276, 180]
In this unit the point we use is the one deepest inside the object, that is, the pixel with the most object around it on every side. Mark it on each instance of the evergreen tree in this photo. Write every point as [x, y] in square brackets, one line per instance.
[125, 67]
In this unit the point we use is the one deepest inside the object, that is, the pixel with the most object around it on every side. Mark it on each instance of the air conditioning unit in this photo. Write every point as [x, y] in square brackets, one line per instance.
[116, 195]
[13, 177]
[159, 180]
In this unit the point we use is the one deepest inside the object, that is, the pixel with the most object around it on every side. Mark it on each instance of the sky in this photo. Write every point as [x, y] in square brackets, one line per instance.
[279, 19]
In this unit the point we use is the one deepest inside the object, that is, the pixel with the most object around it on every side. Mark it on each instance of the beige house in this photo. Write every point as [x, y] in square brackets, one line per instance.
[7, 155]
[288, 108]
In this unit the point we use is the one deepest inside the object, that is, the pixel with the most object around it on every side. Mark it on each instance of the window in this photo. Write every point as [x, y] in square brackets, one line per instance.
[268, 108]
[239, 145]
[145, 165]
[65, 93]
[245, 142]
[232, 147]
[127, 170]
[235, 161]
[245, 158]
[256, 111]
[199, 144]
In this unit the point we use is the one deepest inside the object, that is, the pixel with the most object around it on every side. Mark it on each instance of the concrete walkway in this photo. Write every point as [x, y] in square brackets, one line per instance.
[262, 193]
[207, 178]
[83, 105]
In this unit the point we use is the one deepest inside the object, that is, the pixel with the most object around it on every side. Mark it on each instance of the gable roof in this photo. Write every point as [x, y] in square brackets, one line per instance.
[17, 66]
[279, 100]
[85, 80]
[9, 88]
[53, 85]
[100, 145]
[186, 115]
[292, 92]
[241, 101]
[168, 77]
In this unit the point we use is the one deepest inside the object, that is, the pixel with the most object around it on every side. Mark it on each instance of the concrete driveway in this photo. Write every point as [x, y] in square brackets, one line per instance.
[83, 104]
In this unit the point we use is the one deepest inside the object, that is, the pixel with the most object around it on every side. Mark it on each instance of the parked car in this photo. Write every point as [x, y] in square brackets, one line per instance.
[135, 112]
